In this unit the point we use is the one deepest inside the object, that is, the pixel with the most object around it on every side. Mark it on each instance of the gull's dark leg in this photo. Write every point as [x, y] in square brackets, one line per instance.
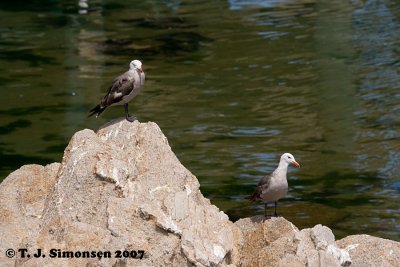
[276, 204]
[265, 209]
[127, 116]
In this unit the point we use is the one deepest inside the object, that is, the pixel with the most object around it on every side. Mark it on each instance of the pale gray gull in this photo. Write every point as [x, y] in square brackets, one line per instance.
[274, 186]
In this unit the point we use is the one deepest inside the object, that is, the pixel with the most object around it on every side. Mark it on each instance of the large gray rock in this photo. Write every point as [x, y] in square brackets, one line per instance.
[366, 250]
[121, 188]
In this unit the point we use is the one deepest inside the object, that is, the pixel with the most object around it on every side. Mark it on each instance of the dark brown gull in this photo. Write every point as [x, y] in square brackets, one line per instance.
[122, 90]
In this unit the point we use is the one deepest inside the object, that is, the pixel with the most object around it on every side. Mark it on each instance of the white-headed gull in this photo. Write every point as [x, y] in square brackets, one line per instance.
[122, 90]
[274, 186]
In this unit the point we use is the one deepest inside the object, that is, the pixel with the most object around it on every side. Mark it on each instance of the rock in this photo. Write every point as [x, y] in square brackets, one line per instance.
[258, 235]
[121, 188]
[23, 194]
[277, 242]
[366, 250]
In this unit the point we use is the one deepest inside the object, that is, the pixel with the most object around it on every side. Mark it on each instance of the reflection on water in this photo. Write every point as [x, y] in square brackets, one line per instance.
[233, 85]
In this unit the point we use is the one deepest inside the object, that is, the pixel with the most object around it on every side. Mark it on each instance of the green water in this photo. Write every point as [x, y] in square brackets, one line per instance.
[233, 85]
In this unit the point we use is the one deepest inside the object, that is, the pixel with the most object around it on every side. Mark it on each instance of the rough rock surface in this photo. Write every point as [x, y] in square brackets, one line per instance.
[22, 195]
[277, 242]
[122, 188]
[366, 250]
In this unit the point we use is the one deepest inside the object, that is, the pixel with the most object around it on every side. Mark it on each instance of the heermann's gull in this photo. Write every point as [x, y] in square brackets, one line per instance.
[122, 90]
[274, 186]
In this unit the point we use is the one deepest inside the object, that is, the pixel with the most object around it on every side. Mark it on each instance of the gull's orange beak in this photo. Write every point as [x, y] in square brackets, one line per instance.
[296, 164]
[141, 69]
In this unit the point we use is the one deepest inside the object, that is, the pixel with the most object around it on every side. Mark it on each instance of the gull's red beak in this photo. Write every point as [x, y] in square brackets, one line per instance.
[141, 69]
[296, 164]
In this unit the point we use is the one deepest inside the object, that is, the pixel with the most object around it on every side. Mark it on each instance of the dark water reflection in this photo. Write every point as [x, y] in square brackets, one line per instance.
[233, 85]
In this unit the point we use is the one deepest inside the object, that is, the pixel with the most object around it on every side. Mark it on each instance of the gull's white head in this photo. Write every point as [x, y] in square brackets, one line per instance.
[289, 158]
[136, 65]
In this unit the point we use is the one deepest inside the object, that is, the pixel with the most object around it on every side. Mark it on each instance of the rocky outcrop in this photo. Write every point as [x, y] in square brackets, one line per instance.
[23, 194]
[277, 242]
[366, 250]
[123, 189]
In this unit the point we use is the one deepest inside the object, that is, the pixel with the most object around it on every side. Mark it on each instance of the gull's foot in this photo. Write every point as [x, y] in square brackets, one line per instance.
[131, 118]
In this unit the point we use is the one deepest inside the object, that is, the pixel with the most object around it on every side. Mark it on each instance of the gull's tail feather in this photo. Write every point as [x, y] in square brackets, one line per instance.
[253, 197]
[97, 109]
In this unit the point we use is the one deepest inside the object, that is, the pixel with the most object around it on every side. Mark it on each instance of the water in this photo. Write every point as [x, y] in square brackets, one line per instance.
[233, 85]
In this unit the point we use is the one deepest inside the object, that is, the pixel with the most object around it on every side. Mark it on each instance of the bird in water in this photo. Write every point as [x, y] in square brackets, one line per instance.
[274, 186]
[122, 90]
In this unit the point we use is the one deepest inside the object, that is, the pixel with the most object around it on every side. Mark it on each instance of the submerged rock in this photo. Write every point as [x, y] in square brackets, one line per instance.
[123, 189]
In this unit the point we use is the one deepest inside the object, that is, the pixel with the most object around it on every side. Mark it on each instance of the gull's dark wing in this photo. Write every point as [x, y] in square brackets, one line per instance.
[261, 186]
[121, 86]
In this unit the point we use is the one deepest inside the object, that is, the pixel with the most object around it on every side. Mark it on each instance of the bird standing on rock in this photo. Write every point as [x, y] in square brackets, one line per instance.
[122, 90]
[274, 186]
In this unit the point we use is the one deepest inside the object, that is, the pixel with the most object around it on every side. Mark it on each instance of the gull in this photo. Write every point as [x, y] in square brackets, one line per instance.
[122, 90]
[274, 186]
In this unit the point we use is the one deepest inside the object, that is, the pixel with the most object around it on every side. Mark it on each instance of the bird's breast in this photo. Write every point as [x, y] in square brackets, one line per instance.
[276, 189]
